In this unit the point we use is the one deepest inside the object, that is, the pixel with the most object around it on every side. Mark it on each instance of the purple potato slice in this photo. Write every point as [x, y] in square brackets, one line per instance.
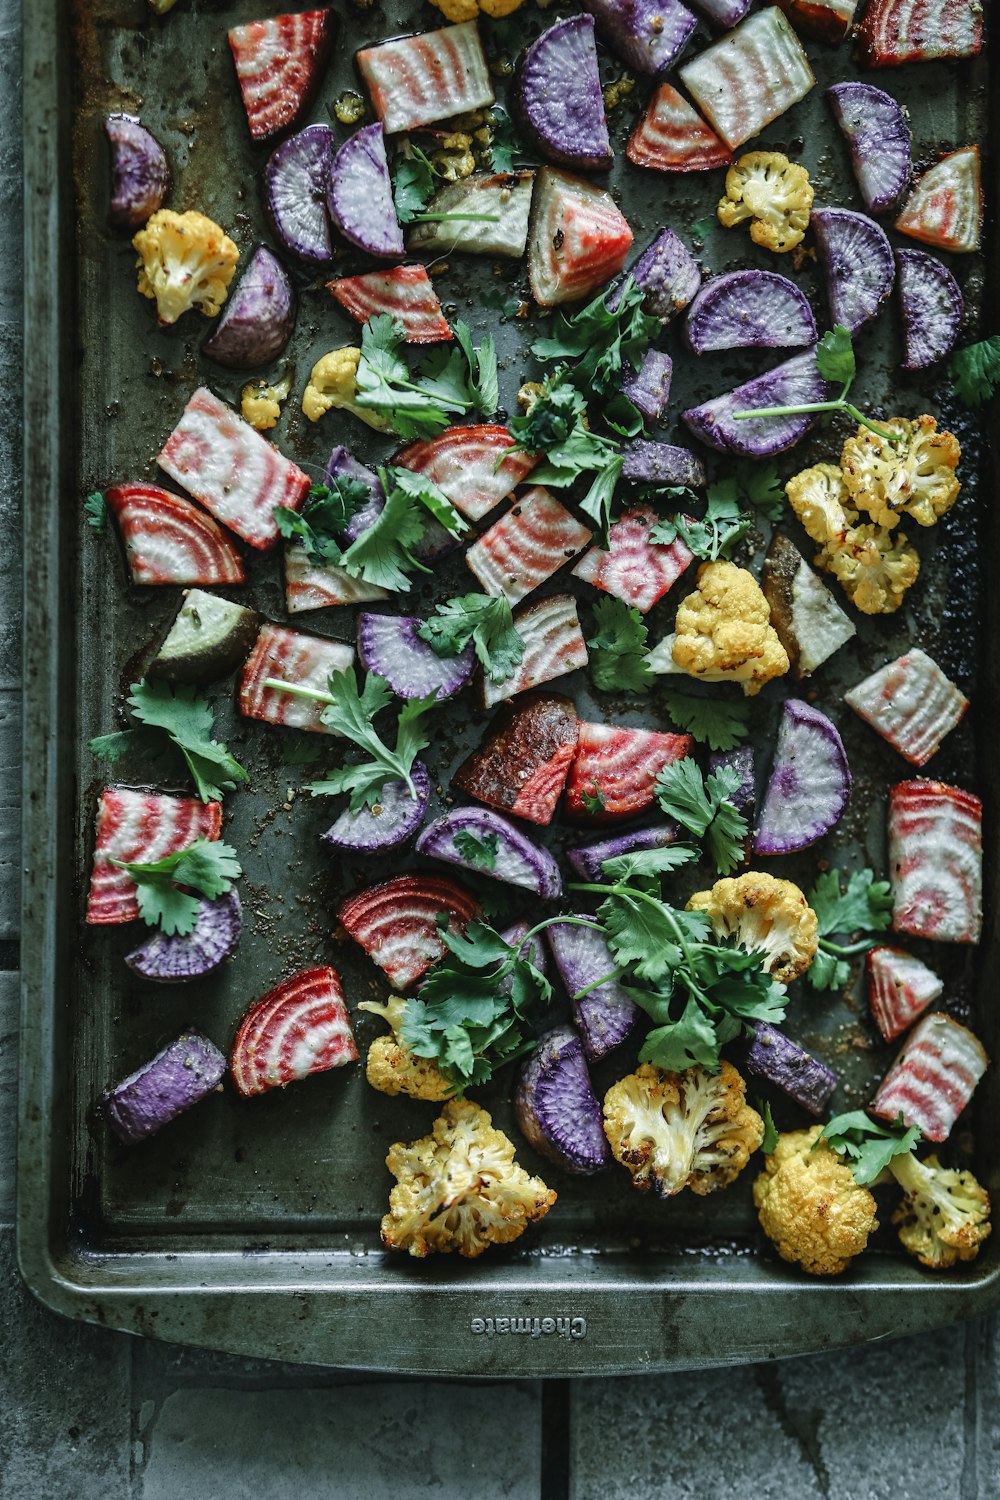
[390, 646]
[668, 274]
[857, 262]
[606, 1015]
[140, 172]
[741, 760]
[749, 310]
[661, 463]
[874, 125]
[393, 820]
[932, 306]
[646, 34]
[559, 97]
[296, 182]
[517, 860]
[648, 388]
[359, 195]
[184, 1073]
[556, 1107]
[794, 383]
[215, 936]
[772, 1057]
[534, 951]
[258, 319]
[587, 859]
[810, 783]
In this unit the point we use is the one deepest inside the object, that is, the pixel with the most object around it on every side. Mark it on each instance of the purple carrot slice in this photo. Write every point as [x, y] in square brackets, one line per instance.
[556, 1107]
[296, 182]
[359, 194]
[750, 77]
[668, 274]
[553, 646]
[810, 783]
[648, 388]
[741, 760]
[857, 262]
[661, 463]
[794, 383]
[874, 125]
[185, 1072]
[140, 172]
[648, 35]
[932, 308]
[475, 838]
[390, 646]
[587, 859]
[533, 540]
[606, 1015]
[522, 765]
[392, 821]
[776, 1059]
[259, 317]
[501, 203]
[559, 96]
[417, 80]
[749, 310]
[215, 936]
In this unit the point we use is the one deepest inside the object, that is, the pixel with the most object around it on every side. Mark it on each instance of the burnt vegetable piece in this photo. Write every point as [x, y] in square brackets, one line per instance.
[556, 1107]
[809, 622]
[258, 319]
[772, 1057]
[390, 822]
[183, 1074]
[140, 173]
[522, 765]
[209, 638]
[559, 96]
[214, 938]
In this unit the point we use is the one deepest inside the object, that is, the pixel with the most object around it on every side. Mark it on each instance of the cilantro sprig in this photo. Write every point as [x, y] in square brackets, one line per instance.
[863, 905]
[484, 622]
[617, 649]
[481, 853]
[383, 553]
[716, 533]
[554, 427]
[718, 723]
[600, 344]
[835, 361]
[168, 890]
[416, 182]
[322, 518]
[506, 148]
[187, 721]
[701, 805]
[95, 509]
[975, 371]
[449, 383]
[869, 1144]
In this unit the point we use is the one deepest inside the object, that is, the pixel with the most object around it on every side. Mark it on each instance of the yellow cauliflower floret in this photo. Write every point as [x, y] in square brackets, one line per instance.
[453, 158]
[392, 1068]
[468, 10]
[260, 401]
[944, 1215]
[184, 261]
[676, 1130]
[875, 568]
[810, 1206]
[774, 193]
[764, 915]
[460, 1188]
[820, 499]
[333, 383]
[724, 631]
[917, 477]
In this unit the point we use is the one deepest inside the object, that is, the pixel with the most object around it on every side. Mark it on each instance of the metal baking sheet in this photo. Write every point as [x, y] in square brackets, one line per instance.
[253, 1225]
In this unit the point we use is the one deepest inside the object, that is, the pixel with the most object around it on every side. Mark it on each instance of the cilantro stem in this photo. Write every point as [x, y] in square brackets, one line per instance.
[629, 893]
[851, 948]
[564, 921]
[423, 218]
[595, 984]
[839, 405]
[298, 691]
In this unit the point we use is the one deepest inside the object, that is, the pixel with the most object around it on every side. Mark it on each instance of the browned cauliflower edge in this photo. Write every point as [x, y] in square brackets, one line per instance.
[915, 477]
[764, 915]
[724, 632]
[809, 1205]
[944, 1216]
[184, 261]
[393, 1069]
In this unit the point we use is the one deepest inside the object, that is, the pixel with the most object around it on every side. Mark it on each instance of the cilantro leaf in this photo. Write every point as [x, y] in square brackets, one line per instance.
[485, 622]
[418, 487]
[414, 408]
[719, 724]
[323, 517]
[835, 356]
[601, 343]
[715, 535]
[414, 185]
[554, 427]
[112, 747]
[702, 806]
[702, 228]
[618, 648]
[505, 146]
[594, 802]
[484, 380]
[625, 867]
[975, 371]
[501, 302]
[688, 1042]
[771, 1137]
[869, 1144]
[96, 510]
[863, 906]
[762, 487]
[207, 867]
[188, 720]
[382, 555]
[481, 853]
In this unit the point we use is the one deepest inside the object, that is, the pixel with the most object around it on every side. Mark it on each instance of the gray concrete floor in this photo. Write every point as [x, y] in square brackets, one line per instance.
[91, 1415]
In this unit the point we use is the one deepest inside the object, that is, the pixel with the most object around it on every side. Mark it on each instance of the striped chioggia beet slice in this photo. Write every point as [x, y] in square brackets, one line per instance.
[875, 127]
[945, 207]
[140, 827]
[556, 1107]
[231, 469]
[725, 14]
[559, 96]
[214, 937]
[781, 1062]
[578, 238]
[936, 861]
[258, 318]
[300, 1027]
[310, 585]
[278, 65]
[749, 310]
[396, 923]
[606, 1015]
[807, 619]
[406, 293]
[620, 764]
[646, 462]
[911, 703]
[810, 782]
[182, 1074]
[743, 761]
[893, 32]
[648, 388]
[820, 20]
[587, 859]
[359, 194]
[296, 178]
[169, 540]
[553, 646]
[857, 263]
[533, 540]
[295, 658]
[931, 305]
[460, 838]
[390, 646]
[900, 988]
[499, 207]
[468, 466]
[633, 568]
[672, 137]
[420, 79]
[395, 817]
[794, 383]
[933, 1076]
[522, 765]
[750, 77]
[646, 34]
[667, 273]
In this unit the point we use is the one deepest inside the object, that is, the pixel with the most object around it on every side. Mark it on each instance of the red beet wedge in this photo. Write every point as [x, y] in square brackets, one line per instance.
[300, 1027]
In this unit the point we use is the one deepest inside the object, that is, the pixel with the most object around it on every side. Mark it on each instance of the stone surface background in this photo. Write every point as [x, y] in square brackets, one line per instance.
[90, 1415]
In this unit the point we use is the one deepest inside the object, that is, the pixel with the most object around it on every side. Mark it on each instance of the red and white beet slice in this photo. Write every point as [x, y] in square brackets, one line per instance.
[822, 20]
[140, 827]
[522, 765]
[359, 194]
[945, 208]
[420, 79]
[278, 64]
[934, 1076]
[931, 305]
[936, 861]
[646, 34]
[578, 238]
[405, 293]
[559, 96]
[517, 860]
[810, 783]
[620, 764]
[535, 538]
[750, 77]
[672, 137]
[468, 466]
[390, 646]
[794, 383]
[875, 127]
[310, 585]
[169, 540]
[749, 310]
[396, 923]
[900, 988]
[911, 703]
[857, 263]
[301, 661]
[633, 568]
[893, 32]
[553, 646]
[300, 1027]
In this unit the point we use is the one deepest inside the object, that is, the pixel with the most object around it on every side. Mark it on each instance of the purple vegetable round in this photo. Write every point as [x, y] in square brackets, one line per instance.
[296, 181]
[749, 310]
[360, 194]
[258, 319]
[857, 262]
[741, 760]
[214, 938]
[794, 383]
[559, 95]
[140, 172]
[668, 274]
[516, 859]
[605, 1016]
[184, 1073]
[587, 859]
[932, 308]
[393, 820]
[874, 126]
[777, 1060]
[646, 34]
[534, 951]
[661, 463]
[648, 388]
[390, 646]
[556, 1107]
[343, 465]
[810, 784]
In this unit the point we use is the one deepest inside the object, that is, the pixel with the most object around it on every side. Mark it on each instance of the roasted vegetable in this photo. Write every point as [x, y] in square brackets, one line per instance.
[807, 619]
[944, 1215]
[900, 988]
[390, 646]
[359, 194]
[945, 207]
[185, 1072]
[763, 915]
[810, 1207]
[911, 704]
[486, 214]
[875, 128]
[648, 35]
[279, 63]
[390, 822]
[396, 923]
[134, 827]
[577, 240]
[184, 261]
[209, 638]
[617, 765]
[672, 137]
[724, 632]
[777, 1060]
[933, 1077]
[749, 309]
[774, 194]
[915, 475]
[168, 540]
[259, 319]
[749, 77]
[522, 765]
[296, 179]
[794, 383]
[936, 861]
[932, 308]
[893, 32]
[418, 80]
[303, 661]
[603, 1013]
[214, 938]
[392, 1068]
[559, 96]
[140, 173]
[810, 782]
[857, 263]
[300, 1027]
[477, 839]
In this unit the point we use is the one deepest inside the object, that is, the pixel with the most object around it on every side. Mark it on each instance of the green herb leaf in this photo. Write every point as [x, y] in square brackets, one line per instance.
[187, 718]
[505, 146]
[621, 868]
[618, 648]
[112, 747]
[481, 853]
[484, 379]
[688, 1042]
[864, 905]
[322, 518]
[869, 1144]
[975, 371]
[715, 535]
[702, 806]
[717, 723]
[96, 510]
[702, 228]
[415, 407]
[554, 427]
[771, 1135]
[501, 302]
[594, 801]
[760, 484]
[382, 555]
[484, 621]
[835, 356]
[351, 713]
[207, 867]
[601, 344]
[414, 185]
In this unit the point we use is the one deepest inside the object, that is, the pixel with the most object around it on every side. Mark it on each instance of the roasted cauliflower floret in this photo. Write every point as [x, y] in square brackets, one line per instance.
[944, 1216]
[820, 499]
[724, 631]
[468, 10]
[392, 1068]
[460, 1188]
[676, 1130]
[875, 568]
[334, 383]
[809, 1205]
[916, 477]
[774, 193]
[184, 261]
[764, 915]
[454, 158]
[260, 401]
